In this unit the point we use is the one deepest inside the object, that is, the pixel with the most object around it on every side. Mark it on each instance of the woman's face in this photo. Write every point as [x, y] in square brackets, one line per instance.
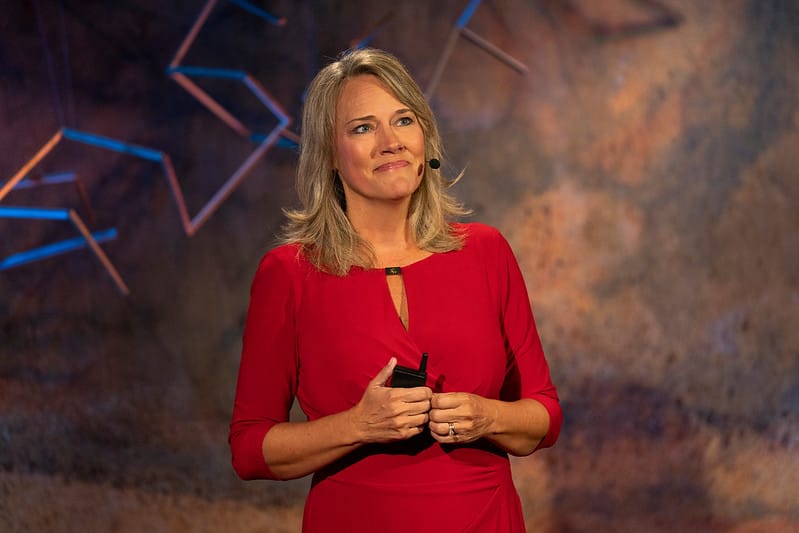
[379, 144]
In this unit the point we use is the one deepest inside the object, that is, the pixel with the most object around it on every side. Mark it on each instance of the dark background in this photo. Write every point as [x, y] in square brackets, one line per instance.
[644, 170]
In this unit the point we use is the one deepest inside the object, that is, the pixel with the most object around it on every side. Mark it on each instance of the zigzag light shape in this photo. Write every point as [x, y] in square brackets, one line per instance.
[460, 30]
[92, 240]
[190, 225]
[182, 75]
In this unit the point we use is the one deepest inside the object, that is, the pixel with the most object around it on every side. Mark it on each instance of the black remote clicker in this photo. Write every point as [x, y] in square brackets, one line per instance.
[408, 377]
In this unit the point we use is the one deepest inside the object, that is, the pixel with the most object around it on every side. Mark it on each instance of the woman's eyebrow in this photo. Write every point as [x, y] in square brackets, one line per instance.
[373, 117]
[359, 119]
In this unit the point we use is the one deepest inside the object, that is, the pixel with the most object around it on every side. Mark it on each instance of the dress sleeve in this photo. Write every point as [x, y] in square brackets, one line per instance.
[527, 374]
[267, 380]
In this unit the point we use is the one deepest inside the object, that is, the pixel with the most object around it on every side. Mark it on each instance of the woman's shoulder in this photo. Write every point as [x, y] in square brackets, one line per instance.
[285, 251]
[286, 258]
[478, 234]
[484, 242]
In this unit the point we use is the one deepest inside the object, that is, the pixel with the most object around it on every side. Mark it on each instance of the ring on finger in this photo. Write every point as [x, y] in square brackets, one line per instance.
[452, 429]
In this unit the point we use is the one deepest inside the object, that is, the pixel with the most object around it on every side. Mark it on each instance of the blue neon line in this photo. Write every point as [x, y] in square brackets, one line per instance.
[363, 43]
[113, 144]
[283, 142]
[269, 17]
[210, 72]
[50, 179]
[467, 14]
[256, 90]
[61, 177]
[43, 213]
[50, 250]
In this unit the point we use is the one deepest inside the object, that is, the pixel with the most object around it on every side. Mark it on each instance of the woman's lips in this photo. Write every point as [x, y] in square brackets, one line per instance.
[392, 166]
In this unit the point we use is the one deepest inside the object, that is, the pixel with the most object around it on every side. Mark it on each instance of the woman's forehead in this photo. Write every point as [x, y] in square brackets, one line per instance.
[365, 95]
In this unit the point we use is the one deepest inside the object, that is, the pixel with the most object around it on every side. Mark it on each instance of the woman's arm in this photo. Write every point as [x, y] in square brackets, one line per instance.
[526, 415]
[517, 427]
[384, 414]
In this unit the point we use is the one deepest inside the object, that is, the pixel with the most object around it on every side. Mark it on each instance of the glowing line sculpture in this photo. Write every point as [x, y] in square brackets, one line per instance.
[87, 238]
[190, 225]
[55, 179]
[459, 30]
[182, 75]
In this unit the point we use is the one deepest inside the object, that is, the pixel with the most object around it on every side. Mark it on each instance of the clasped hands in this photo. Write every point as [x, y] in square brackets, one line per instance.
[386, 414]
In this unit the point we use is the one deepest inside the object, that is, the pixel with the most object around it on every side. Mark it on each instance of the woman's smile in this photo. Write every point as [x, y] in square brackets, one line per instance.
[392, 165]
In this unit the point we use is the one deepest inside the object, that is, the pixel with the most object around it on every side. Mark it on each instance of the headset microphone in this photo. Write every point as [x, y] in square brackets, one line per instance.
[434, 163]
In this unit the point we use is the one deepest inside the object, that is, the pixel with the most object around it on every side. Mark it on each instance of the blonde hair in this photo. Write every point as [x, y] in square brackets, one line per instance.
[321, 226]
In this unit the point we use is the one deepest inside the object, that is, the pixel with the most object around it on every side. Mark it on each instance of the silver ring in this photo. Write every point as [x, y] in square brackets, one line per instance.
[452, 429]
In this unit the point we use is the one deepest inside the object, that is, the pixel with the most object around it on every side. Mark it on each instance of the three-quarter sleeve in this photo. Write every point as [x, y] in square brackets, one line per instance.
[527, 374]
[267, 380]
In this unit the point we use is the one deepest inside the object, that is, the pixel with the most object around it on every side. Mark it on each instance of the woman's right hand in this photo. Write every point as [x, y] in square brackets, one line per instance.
[386, 414]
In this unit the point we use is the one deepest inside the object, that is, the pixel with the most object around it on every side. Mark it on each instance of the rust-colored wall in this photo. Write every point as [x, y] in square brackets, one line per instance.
[645, 174]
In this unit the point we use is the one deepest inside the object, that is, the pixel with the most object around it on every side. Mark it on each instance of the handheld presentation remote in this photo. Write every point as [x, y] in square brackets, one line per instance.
[408, 377]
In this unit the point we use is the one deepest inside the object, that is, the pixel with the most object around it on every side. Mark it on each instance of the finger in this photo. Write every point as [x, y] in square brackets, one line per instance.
[382, 377]
[438, 429]
[447, 400]
[445, 438]
[440, 416]
[416, 408]
[449, 415]
[414, 394]
[440, 432]
[417, 420]
[443, 400]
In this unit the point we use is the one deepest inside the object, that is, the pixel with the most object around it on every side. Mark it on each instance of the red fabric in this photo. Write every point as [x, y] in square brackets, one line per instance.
[322, 338]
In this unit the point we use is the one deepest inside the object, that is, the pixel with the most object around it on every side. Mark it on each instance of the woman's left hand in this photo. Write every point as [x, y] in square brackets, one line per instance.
[460, 417]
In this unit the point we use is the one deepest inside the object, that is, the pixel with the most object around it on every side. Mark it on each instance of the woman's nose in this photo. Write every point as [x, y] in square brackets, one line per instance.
[395, 147]
[389, 142]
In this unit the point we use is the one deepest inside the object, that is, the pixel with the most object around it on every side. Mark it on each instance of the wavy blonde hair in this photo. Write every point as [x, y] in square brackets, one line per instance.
[321, 226]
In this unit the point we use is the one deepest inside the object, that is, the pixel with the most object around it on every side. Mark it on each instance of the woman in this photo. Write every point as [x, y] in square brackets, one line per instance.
[371, 276]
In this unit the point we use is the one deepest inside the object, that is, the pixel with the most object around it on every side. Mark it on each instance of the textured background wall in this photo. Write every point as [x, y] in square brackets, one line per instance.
[646, 176]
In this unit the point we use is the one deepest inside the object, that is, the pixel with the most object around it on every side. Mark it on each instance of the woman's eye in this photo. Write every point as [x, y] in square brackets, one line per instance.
[405, 121]
[362, 128]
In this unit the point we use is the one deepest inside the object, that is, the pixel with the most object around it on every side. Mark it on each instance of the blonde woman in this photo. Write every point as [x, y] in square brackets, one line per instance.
[374, 277]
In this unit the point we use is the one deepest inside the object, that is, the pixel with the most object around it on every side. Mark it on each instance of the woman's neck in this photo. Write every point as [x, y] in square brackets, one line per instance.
[387, 231]
[381, 225]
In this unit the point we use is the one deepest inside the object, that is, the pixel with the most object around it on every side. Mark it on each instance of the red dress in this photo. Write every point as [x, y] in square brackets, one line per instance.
[322, 337]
